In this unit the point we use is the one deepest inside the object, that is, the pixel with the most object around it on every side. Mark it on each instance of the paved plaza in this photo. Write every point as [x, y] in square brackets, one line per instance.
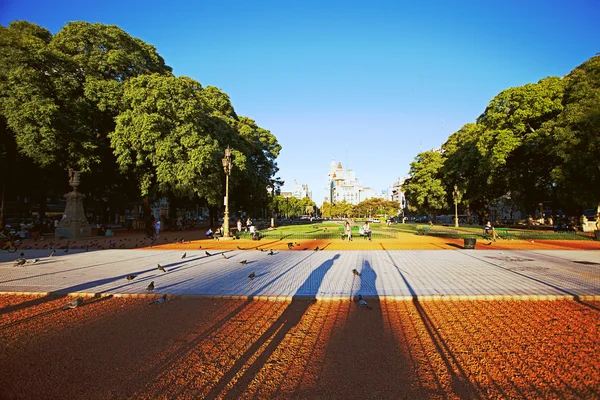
[324, 274]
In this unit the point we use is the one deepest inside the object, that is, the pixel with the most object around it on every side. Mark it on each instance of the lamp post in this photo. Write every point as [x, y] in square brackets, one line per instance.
[270, 191]
[227, 167]
[287, 206]
[456, 195]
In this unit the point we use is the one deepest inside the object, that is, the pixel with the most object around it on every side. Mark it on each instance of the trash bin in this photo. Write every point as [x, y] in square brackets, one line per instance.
[470, 243]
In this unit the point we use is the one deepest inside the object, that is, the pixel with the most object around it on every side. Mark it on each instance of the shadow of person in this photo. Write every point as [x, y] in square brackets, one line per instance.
[274, 335]
[363, 355]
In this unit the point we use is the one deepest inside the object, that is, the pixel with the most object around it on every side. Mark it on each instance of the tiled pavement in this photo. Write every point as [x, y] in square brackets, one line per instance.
[325, 274]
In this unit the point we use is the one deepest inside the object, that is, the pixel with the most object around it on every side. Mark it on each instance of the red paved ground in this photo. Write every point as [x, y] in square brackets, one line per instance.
[199, 348]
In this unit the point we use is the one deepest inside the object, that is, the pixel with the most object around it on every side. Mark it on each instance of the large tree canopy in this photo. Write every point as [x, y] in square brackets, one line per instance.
[60, 93]
[575, 137]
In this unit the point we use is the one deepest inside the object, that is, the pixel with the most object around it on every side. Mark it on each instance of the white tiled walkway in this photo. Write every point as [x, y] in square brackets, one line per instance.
[322, 274]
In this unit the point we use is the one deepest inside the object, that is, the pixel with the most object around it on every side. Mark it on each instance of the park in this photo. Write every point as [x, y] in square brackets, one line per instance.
[148, 250]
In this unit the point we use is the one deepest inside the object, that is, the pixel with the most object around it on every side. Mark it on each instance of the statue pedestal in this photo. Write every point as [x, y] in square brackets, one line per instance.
[75, 225]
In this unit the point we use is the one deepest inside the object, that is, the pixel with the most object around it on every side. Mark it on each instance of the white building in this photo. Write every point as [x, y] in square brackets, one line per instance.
[395, 192]
[301, 191]
[342, 185]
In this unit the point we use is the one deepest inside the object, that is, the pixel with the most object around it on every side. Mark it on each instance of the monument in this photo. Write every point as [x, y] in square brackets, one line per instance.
[74, 224]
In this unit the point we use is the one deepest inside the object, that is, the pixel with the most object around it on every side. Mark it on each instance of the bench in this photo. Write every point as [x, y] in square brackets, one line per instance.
[423, 229]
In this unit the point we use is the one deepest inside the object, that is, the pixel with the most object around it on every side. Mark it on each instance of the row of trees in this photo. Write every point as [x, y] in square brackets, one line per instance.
[95, 99]
[537, 143]
[364, 209]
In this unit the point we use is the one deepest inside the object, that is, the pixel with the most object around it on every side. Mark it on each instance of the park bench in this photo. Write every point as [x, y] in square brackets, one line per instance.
[423, 229]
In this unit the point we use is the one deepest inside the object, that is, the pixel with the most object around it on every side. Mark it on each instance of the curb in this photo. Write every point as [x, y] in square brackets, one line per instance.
[383, 298]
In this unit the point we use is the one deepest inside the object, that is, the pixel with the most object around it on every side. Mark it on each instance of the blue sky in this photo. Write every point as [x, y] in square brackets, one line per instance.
[369, 85]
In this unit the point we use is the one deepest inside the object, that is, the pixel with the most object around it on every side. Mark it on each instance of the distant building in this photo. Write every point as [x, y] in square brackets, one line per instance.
[395, 192]
[342, 185]
[301, 191]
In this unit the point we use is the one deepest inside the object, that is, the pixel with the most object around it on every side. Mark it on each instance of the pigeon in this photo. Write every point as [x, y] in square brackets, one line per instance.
[36, 260]
[183, 256]
[150, 286]
[270, 253]
[290, 245]
[224, 256]
[73, 304]
[160, 300]
[251, 276]
[22, 254]
[355, 272]
[160, 268]
[20, 261]
[244, 262]
[131, 277]
[362, 302]
[207, 253]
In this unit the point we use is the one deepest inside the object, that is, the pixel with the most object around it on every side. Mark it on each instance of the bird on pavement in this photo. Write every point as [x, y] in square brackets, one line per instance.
[290, 245]
[183, 256]
[131, 277]
[35, 260]
[73, 304]
[20, 261]
[362, 302]
[160, 268]
[160, 300]
[355, 272]
[150, 286]
[22, 254]
[207, 253]
[224, 256]
[270, 253]
[252, 275]
[244, 262]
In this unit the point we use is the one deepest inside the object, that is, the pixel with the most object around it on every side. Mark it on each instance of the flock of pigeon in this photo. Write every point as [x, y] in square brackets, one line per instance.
[21, 261]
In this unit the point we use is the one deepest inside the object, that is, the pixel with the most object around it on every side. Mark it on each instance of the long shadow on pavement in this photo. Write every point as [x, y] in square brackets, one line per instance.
[274, 335]
[459, 379]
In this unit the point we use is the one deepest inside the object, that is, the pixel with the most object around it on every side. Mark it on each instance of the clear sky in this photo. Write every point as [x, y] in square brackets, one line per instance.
[369, 84]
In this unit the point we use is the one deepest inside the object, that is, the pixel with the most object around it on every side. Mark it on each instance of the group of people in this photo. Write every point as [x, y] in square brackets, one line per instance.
[364, 231]
[250, 227]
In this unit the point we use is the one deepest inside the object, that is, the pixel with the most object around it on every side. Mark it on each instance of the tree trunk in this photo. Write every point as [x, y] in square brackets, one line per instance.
[2, 224]
[468, 212]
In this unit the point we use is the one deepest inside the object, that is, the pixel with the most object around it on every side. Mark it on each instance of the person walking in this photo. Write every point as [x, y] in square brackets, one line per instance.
[157, 227]
[348, 231]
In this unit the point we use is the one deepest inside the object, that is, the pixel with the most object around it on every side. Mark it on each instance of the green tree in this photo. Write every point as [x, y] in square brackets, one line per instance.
[424, 189]
[514, 152]
[575, 138]
[161, 137]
